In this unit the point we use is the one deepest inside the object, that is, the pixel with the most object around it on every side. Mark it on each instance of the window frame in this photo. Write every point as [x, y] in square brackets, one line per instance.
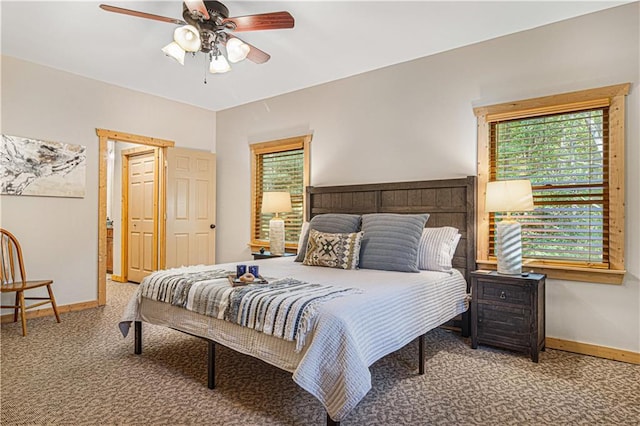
[271, 147]
[614, 97]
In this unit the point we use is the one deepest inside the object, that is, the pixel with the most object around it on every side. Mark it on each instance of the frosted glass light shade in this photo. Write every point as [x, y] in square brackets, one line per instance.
[509, 196]
[276, 202]
[237, 50]
[219, 64]
[187, 37]
[174, 51]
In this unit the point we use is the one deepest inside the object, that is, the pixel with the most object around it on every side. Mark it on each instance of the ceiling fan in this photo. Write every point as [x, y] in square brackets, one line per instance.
[207, 27]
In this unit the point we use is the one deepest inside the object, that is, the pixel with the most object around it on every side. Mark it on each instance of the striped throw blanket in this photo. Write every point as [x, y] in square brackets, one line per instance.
[285, 308]
[205, 292]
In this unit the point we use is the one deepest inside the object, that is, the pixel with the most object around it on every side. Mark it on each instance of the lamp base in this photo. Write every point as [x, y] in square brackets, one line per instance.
[276, 236]
[509, 247]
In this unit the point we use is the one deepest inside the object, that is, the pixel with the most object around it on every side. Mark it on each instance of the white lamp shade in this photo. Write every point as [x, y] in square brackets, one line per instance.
[509, 196]
[237, 50]
[276, 202]
[174, 51]
[219, 65]
[188, 38]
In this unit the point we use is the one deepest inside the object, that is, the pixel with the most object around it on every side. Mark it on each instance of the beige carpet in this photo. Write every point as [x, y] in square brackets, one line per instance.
[83, 372]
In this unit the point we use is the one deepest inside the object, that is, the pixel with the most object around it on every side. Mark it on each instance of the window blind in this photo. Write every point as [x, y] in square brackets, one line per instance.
[565, 156]
[280, 171]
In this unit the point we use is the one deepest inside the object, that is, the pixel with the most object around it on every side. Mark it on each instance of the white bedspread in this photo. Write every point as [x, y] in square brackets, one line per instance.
[351, 332]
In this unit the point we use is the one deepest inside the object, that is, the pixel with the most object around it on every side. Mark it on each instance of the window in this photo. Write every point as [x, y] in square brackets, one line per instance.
[564, 157]
[571, 148]
[281, 165]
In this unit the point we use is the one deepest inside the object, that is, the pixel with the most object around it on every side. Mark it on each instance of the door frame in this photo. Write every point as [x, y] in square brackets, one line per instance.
[127, 154]
[105, 135]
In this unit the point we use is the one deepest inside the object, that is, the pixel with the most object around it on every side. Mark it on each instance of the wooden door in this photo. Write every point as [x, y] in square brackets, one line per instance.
[191, 207]
[142, 212]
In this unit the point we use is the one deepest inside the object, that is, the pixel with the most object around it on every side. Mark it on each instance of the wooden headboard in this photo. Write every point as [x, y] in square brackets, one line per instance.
[450, 202]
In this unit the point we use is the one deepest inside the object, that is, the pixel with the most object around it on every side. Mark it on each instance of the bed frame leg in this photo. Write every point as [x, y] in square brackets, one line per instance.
[331, 422]
[466, 323]
[211, 366]
[421, 341]
[137, 325]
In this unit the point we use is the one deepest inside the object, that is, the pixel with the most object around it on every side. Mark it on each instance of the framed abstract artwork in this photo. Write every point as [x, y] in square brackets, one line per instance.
[40, 168]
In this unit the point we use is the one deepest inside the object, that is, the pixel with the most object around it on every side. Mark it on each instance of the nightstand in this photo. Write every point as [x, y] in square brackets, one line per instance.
[507, 311]
[267, 255]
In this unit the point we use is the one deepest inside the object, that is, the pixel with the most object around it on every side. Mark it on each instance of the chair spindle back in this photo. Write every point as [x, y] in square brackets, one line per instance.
[11, 264]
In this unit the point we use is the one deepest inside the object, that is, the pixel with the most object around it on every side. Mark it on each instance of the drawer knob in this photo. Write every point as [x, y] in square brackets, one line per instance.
[503, 295]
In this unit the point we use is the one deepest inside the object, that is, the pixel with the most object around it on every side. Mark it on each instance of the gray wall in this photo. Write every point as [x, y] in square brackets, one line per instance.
[414, 121]
[60, 235]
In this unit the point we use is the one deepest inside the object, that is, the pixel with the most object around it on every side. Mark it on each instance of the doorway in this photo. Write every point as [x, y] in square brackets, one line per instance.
[104, 136]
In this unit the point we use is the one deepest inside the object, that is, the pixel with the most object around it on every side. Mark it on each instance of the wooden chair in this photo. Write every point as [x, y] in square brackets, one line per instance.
[14, 279]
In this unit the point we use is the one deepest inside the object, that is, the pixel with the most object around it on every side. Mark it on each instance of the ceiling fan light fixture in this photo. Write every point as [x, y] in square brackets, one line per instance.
[207, 27]
[174, 51]
[237, 50]
[219, 65]
[188, 38]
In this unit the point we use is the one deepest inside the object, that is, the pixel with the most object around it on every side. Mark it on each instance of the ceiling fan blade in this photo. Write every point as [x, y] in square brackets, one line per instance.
[141, 14]
[264, 21]
[255, 55]
[197, 6]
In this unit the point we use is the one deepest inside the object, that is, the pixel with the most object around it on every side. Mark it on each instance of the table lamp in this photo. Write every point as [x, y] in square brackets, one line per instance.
[509, 196]
[276, 202]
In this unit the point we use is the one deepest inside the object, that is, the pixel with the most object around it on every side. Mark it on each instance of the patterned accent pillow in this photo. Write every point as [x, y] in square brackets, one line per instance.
[335, 223]
[333, 250]
[391, 240]
[436, 248]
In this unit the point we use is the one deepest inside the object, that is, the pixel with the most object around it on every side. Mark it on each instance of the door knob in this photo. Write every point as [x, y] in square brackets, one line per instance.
[212, 226]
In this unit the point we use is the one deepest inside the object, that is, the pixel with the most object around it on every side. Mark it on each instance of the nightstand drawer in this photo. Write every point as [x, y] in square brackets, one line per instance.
[501, 324]
[512, 294]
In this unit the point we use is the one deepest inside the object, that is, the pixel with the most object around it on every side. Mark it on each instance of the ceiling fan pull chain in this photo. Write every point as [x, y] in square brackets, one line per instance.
[206, 66]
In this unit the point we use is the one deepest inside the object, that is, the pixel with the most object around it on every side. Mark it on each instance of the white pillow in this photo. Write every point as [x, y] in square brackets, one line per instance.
[303, 233]
[436, 248]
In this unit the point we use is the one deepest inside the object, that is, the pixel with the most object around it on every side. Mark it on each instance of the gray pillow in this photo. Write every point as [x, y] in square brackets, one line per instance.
[334, 223]
[390, 241]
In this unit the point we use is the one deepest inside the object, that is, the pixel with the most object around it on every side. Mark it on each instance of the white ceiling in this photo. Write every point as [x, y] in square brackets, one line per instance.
[331, 40]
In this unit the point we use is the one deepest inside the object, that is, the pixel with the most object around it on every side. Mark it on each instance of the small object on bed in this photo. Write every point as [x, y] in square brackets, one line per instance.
[246, 279]
[241, 270]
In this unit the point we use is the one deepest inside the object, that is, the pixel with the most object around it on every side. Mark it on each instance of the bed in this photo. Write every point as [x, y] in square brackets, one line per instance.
[374, 312]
